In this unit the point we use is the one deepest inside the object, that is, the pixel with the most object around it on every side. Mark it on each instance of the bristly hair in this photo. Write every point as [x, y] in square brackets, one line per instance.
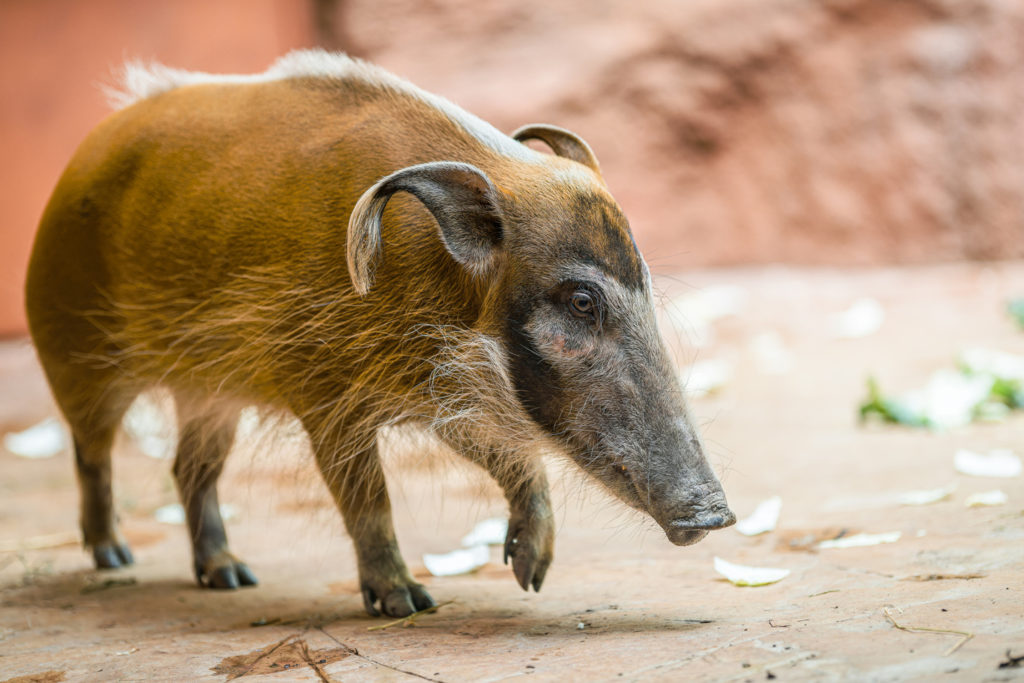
[447, 379]
[138, 80]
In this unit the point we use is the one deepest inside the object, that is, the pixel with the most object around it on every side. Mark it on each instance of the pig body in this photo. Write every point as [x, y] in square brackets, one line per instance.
[327, 240]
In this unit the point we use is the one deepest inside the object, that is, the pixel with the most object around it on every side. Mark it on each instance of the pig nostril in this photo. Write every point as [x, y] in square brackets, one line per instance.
[697, 523]
[715, 521]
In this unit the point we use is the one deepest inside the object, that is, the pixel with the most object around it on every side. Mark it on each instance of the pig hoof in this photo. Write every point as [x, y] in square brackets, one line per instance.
[401, 601]
[112, 555]
[224, 570]
[530, 545]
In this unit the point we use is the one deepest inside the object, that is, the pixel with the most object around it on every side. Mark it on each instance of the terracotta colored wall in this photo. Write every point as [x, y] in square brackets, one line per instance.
[731, 131]
[52, 55]
[852, 132]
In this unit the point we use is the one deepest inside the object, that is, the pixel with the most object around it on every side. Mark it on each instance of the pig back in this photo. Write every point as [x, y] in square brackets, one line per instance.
[200, 234]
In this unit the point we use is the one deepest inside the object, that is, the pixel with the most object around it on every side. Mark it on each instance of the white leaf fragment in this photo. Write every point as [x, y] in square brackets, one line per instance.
[927, 497]
[950, 399]
[150, 427]
[487, 532]
[985, 387]
[741, 575]
[42, 440]
[460, 561]
[764, 518]
[1006, 366]
[174, 513]
[170, 514]
[861, 540]
[706, 376]
[1000, 462]
[249, 422]
[771, 354]
[862, 319]
[987, 498]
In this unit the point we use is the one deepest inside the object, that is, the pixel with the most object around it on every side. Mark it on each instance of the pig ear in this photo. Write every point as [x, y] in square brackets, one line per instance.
[562, 142]
[462, 200]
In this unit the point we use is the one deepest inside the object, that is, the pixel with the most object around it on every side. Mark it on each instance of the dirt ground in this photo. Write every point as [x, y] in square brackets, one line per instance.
[620, 602]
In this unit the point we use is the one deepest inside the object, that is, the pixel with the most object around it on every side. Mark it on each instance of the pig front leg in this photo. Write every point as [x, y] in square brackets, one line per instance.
[531, 527]
[357, 483]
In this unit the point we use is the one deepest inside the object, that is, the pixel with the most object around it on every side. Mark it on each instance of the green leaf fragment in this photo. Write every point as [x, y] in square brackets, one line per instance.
[1016, 309]
[890, 410]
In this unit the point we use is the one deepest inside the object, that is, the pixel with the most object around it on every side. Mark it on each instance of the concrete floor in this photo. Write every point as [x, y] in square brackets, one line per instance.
[620, 602]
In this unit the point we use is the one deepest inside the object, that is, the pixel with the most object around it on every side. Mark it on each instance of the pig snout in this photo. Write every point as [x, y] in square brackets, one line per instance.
[693, 526]
[688, 513]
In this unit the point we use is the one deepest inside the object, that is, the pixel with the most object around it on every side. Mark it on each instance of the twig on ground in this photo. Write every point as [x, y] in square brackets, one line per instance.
[409, 620]
[97, 586]
[966, 635]
[942, 577]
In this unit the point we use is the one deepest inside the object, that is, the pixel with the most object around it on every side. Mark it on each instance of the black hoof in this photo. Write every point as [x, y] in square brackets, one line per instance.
[530, 558]
[226, 574]
[112, 555]
[400, 602]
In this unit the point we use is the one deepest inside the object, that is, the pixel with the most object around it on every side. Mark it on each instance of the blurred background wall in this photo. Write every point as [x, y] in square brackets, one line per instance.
[848, 132]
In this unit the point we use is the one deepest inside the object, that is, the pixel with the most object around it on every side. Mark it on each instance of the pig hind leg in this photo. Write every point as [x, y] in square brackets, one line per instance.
[94, 417]
[92, 396]
[203, 444]
[98, 517]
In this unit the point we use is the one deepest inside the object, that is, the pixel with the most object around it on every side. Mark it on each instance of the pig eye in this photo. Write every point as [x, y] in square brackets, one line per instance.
[582, 304]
